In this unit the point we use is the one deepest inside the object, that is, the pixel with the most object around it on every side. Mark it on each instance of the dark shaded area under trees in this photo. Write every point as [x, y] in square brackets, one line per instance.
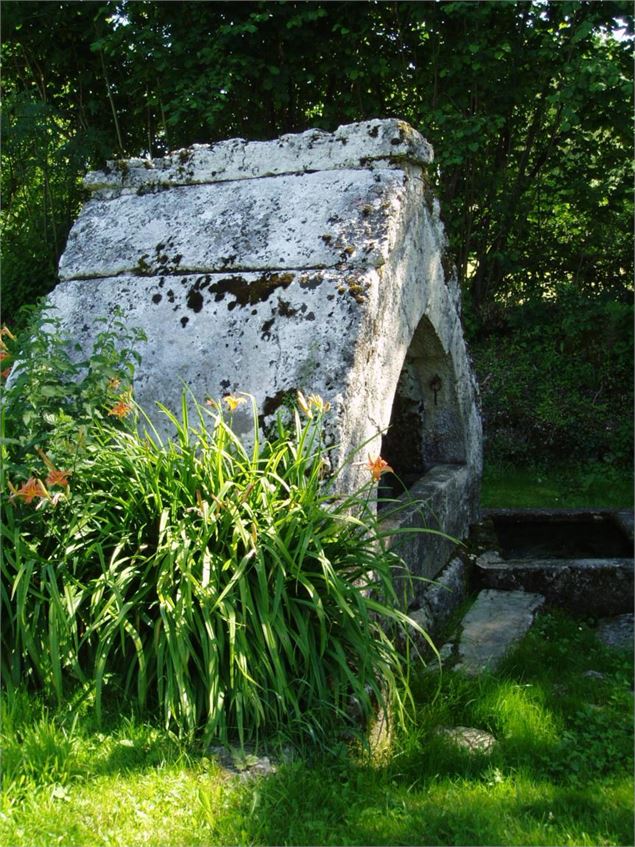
[528, 106]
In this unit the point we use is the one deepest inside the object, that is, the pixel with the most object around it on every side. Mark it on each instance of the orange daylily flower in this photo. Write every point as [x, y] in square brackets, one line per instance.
[5, 373]
[233, 401]
[30, 489]
[4, 355]
[57, 477]
[378, 466]
[120, 409]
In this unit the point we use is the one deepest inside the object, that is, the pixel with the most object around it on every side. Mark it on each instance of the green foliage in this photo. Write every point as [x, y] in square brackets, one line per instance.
[57, 391]
[53, 129]
[571, 486]
[229, 588]
[528, 106]
[555, 381]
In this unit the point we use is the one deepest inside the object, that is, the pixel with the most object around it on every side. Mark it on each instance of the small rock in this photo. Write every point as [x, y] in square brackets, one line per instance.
[245, 765]
[469, 738]
[262, 767]
[447, 651]
[616, 632]
[594, 675]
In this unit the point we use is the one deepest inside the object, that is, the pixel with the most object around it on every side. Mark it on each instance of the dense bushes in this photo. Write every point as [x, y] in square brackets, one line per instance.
[228, 588]
[556, 382]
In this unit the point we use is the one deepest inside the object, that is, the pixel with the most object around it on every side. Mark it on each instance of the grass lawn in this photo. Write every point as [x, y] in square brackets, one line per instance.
[591, 486]
[561, 772]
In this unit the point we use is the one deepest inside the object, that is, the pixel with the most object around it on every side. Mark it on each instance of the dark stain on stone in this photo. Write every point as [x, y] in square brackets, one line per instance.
[194, 299]
[310, 316]
[398, 139]
[225, 383]
[285, 310]
[142, 268]
[265, 329]
[157, 298]
[184, 320]
[310, 281]
[170, 296]
[249, 292]
[373, 131]
[272, 404]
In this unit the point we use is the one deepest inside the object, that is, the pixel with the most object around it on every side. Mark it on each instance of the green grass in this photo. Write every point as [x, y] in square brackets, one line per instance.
[589, 486]
[560, 774]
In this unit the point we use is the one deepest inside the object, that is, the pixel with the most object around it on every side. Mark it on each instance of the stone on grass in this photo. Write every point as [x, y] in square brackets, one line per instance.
[594, 675]
[469, 738]
[245, 765]
[617, 632]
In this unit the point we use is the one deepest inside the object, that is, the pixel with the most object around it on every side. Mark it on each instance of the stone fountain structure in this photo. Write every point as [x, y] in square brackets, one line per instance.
[315, 262]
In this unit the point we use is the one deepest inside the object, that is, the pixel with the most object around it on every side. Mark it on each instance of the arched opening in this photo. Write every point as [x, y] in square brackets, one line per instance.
[425, 426]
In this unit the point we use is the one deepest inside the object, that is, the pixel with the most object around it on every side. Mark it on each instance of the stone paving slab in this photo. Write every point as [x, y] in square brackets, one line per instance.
[496, 621]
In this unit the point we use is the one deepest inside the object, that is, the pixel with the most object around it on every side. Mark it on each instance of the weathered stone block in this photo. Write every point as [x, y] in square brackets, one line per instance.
[313, 262]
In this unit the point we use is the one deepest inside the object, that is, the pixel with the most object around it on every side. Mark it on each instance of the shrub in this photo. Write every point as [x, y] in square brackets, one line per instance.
[556, 382]
[228, 587]
[55, 393]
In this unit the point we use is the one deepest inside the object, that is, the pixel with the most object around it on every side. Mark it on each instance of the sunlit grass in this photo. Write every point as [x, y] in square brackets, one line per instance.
[590, 486]
[560, 773]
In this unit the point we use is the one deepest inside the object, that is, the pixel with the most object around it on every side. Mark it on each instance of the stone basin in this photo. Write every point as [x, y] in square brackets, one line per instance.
[581, 560]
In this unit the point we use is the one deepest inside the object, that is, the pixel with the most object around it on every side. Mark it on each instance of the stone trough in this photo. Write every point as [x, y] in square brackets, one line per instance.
[580, 560]
[313, 262]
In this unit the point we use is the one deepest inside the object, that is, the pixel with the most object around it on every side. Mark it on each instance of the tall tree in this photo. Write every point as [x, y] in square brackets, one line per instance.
[528, 106]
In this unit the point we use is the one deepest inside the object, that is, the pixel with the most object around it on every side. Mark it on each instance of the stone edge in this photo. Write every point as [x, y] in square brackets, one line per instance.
[351, 146]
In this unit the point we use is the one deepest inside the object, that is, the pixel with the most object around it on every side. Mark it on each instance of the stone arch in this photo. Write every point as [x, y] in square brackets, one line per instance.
[426, 427]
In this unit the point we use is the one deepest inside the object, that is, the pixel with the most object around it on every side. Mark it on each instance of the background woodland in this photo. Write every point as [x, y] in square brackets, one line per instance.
[528, 106]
